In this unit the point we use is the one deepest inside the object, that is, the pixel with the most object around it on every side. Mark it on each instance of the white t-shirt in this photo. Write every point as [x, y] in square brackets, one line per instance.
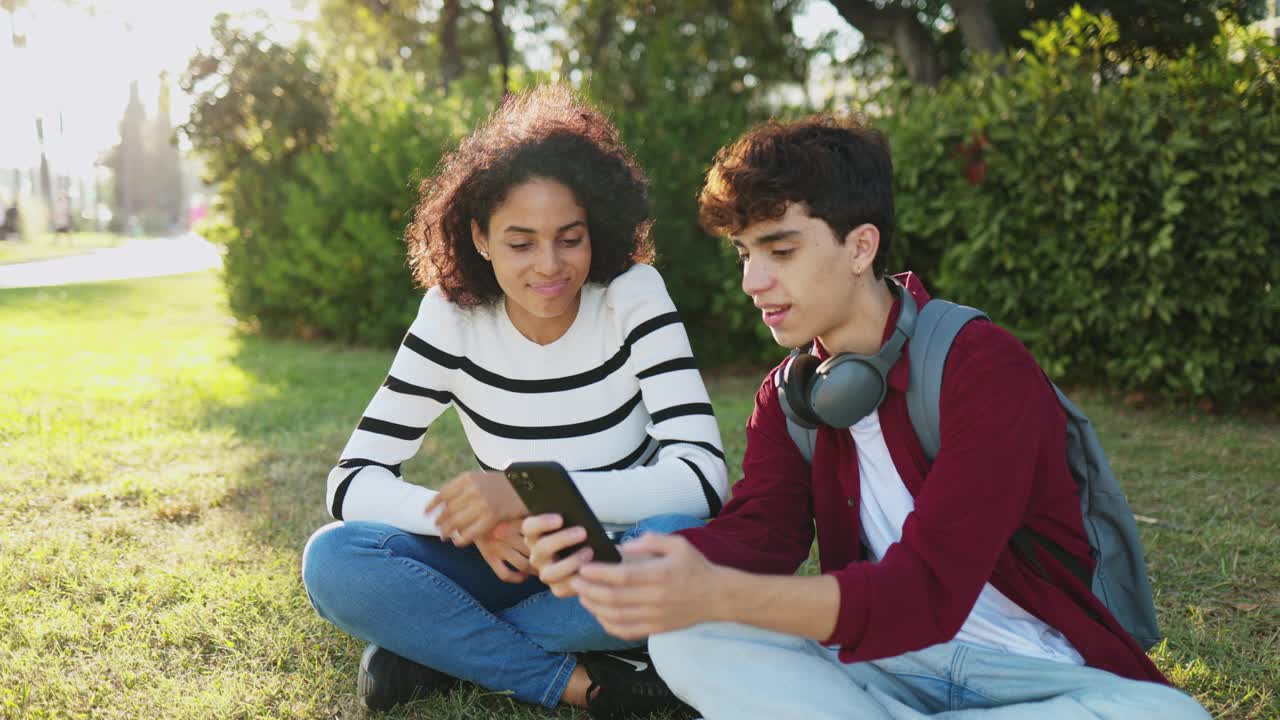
[996, 622]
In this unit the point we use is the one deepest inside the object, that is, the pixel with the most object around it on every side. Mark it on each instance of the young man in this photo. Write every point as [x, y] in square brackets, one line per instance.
[923, 607]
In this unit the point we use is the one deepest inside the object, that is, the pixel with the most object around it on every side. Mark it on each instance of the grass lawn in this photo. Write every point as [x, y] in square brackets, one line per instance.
[159, 473]
[49, 246]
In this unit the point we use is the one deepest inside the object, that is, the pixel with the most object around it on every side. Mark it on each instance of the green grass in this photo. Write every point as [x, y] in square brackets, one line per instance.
[51, 245]
[159, 473]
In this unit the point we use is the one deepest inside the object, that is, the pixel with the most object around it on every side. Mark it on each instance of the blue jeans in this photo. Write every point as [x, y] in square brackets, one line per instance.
[442, 606]
[726, 670]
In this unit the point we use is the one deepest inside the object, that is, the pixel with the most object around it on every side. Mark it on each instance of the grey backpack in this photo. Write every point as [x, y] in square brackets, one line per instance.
[1120, 575]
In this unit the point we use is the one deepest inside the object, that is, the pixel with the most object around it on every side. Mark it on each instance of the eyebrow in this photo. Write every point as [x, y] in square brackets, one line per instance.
[531, 231]
[772, 237]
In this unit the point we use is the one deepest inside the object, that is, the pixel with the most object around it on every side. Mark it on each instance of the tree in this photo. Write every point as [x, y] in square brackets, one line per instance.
[931, 38]
[128, 161]
[164, 166]
[440, 42]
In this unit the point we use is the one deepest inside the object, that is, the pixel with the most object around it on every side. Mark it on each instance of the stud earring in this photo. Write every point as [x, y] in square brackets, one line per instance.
[484, 255]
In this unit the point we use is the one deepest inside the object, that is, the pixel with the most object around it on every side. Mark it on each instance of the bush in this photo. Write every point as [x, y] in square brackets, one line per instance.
[342, 274]
[318, 174]
[1118, 217]
[675, 143]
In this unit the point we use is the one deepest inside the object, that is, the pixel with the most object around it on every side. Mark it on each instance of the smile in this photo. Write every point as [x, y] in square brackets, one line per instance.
[550, 289]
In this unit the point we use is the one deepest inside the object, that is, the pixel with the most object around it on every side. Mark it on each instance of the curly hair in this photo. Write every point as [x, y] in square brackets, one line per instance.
[543, 133]
[838, 167]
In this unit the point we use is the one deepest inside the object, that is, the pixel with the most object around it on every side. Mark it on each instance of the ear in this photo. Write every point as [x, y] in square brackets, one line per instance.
[863, 243]
[479, 240]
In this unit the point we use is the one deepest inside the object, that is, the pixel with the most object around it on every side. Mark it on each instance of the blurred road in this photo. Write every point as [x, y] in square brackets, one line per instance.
[133, 259]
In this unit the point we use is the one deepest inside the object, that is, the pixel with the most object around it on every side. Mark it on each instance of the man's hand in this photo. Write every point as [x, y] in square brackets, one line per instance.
[502, 547]
[540, 532]
[472, 504]
[663, 584]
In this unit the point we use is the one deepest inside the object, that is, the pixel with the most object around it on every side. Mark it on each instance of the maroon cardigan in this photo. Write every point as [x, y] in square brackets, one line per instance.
[1001, 465]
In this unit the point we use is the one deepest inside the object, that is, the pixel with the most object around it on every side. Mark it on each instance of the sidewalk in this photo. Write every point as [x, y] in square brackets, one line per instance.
[133, 259]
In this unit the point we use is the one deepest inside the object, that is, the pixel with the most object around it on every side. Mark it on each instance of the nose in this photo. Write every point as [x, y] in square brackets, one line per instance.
[756, 278]
[548, 261]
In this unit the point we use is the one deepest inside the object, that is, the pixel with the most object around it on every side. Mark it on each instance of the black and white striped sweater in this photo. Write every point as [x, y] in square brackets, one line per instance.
[617, 400]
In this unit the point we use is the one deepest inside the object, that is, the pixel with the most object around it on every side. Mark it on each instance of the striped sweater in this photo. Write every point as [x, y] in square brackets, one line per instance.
[617, 400]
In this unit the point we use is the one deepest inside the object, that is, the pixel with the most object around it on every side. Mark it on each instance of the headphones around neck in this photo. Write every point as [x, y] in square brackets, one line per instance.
[846, 387]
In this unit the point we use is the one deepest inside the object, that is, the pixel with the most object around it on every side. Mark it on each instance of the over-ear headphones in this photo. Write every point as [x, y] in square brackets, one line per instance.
[847, 387]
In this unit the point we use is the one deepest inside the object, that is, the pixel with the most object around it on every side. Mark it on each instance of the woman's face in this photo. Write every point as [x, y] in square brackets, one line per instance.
[538, 244]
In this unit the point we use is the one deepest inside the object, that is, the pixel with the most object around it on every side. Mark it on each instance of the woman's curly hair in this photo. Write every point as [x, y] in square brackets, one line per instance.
[543, 133]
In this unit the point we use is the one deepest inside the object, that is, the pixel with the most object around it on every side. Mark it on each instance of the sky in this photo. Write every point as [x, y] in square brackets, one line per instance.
[79, 60]
[81, 55]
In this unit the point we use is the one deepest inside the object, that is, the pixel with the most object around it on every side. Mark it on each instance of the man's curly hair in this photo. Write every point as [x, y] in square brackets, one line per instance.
[543, 133]
[838, 167]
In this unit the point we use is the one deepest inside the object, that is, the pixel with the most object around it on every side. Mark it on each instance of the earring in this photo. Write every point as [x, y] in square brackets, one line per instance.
[484, 255]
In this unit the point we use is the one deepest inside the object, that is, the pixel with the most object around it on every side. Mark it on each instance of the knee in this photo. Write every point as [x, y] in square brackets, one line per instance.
[676, 656]
[1143, 701]
[683, 656]
[1162, 702]
[325, 562]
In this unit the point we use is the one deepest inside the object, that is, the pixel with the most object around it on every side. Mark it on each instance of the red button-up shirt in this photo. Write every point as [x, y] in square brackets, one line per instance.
[1001, 465]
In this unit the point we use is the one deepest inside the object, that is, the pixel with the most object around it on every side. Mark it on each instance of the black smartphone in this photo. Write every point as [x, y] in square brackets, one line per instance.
[545, 487]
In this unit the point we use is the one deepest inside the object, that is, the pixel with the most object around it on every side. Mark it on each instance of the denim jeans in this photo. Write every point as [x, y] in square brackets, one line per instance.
[442, 606]
[727, 670]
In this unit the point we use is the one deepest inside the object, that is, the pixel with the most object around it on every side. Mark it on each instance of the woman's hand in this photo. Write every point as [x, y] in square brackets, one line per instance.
[545, 544]
[472, 504]
[504, 549]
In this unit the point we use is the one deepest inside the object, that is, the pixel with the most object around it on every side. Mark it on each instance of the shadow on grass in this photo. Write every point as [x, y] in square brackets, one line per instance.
[86, 296]
[307, 400]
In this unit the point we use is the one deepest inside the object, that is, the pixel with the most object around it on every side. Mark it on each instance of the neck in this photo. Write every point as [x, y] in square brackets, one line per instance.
[863, 330]
[540, 330]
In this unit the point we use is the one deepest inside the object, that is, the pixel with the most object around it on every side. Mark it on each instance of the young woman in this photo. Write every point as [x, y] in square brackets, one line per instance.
[544, 329]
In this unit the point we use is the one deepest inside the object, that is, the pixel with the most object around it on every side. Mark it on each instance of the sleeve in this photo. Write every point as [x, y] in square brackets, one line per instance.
[688, 475]
[367, 484]
[768, 526]
[997, 414]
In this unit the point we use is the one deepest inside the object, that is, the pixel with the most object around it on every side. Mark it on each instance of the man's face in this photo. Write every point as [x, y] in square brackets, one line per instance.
[798, 275]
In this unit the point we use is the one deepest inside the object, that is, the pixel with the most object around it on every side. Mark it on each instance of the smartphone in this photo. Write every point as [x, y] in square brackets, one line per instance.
[545, 487]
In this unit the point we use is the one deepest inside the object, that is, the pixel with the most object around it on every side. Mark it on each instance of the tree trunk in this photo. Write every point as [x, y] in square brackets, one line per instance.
[978, 26]
[605, 24]
[898, 28]
[450, 59]
[500, 44]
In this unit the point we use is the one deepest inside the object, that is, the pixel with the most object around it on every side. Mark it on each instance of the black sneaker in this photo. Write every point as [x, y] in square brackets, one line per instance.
[386, 679]
[624, 684]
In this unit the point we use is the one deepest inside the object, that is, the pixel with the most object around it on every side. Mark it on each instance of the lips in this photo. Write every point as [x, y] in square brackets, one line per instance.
[774, 315]
[550, 289]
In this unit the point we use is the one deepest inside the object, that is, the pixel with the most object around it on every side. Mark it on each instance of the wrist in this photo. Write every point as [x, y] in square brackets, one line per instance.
[724, 586]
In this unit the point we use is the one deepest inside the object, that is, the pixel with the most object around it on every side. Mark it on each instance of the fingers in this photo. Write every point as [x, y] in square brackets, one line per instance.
[472, 528]
[535, 526]
[516, 560]
[558, 575]
[505, 573]
[546, 550]
[655, 544]
[626, 621]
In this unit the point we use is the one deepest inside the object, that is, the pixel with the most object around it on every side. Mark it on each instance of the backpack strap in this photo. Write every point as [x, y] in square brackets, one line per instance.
[936, 328]
[804, 439]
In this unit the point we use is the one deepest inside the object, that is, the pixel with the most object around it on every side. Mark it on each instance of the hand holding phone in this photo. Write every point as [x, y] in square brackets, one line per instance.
[545, 487]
